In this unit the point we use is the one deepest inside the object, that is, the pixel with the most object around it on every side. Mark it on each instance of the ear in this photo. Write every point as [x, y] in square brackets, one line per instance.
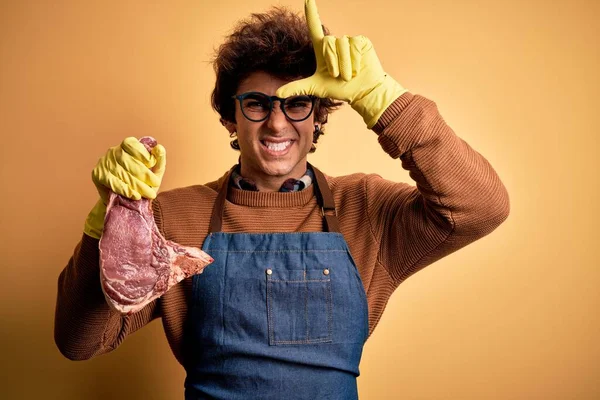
[230, 126]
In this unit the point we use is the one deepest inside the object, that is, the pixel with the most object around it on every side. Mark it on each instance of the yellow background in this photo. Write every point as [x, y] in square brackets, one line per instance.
[513, 316]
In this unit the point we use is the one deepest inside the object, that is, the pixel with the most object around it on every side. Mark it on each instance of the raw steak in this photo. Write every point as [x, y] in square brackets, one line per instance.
[137, 264]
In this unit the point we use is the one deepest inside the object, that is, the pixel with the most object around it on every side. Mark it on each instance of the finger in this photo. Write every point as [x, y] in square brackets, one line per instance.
[160, 153]
[330, 55]
[356, 44]
[344, 59]
[122, 161]
[121, 188]
[306, 86]
[363, 44]
[315, 28]
[112, 176]
[137, 150]
[130, 186]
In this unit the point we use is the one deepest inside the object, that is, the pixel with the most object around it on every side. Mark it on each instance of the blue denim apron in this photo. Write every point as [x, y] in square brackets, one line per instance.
[277, 315]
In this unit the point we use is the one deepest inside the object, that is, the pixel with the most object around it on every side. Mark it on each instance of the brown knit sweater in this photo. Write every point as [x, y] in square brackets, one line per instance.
[392, 229]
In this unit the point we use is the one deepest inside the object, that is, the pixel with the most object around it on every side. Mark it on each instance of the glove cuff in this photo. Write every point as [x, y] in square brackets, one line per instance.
[373, 105]
[94, 223]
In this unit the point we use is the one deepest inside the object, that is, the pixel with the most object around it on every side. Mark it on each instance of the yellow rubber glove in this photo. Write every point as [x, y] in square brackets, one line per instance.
[128, 170]
[348, 70]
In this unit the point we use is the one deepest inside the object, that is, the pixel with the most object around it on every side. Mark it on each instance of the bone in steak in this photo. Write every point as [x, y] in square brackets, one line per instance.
[137, 264]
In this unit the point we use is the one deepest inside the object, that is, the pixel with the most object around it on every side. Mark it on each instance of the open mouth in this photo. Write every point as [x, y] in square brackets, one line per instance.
[277, 148]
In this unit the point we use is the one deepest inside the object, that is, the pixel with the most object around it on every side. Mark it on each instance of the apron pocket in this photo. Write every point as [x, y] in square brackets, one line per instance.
[299, 306]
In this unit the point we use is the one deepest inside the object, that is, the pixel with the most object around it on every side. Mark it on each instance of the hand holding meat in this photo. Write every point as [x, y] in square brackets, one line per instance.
[137, 264]
[129, 170]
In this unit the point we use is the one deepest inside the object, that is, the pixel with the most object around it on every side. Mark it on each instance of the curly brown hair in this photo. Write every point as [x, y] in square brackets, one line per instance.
[276, 42]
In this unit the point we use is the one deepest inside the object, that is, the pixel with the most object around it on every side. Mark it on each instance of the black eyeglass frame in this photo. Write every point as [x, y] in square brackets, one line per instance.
[242, 97]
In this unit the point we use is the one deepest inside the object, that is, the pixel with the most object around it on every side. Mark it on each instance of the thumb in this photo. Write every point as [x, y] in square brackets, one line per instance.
[302, 87]
[160, 153]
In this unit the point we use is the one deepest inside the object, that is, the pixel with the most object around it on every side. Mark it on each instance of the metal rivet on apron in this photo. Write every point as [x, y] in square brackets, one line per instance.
[326, 271]
[269, 271]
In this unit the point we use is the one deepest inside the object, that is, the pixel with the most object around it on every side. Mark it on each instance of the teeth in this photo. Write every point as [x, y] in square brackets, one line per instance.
[277, 146]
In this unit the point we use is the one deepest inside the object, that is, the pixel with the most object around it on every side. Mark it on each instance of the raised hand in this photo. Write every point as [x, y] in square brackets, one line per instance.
[348, 69]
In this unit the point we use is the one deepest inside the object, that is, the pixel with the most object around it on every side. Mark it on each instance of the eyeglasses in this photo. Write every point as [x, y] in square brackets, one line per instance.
[257, 106]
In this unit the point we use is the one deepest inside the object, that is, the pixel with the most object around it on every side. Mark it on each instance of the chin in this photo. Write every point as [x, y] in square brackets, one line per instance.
[278, 168]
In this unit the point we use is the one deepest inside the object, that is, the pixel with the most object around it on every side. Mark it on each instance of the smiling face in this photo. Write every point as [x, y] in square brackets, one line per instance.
[275, 149]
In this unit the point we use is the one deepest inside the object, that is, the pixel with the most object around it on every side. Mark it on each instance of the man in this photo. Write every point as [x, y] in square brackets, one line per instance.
[304, 263]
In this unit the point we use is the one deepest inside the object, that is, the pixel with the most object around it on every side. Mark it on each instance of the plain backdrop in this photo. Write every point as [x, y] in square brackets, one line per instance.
[512, 316]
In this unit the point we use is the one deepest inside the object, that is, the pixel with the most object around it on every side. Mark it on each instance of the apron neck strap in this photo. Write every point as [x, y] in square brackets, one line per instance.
[322, 191]
[325, 201]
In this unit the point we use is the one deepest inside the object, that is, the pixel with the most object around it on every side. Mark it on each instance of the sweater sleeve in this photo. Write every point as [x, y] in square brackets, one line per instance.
[84, 325]
[458, 197]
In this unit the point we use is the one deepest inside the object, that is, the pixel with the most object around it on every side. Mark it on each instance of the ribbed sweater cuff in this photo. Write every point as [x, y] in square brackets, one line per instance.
[416, 123]
[392, 112]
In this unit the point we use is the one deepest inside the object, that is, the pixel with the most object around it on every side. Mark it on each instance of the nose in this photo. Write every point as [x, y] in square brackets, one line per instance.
[277, 120]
